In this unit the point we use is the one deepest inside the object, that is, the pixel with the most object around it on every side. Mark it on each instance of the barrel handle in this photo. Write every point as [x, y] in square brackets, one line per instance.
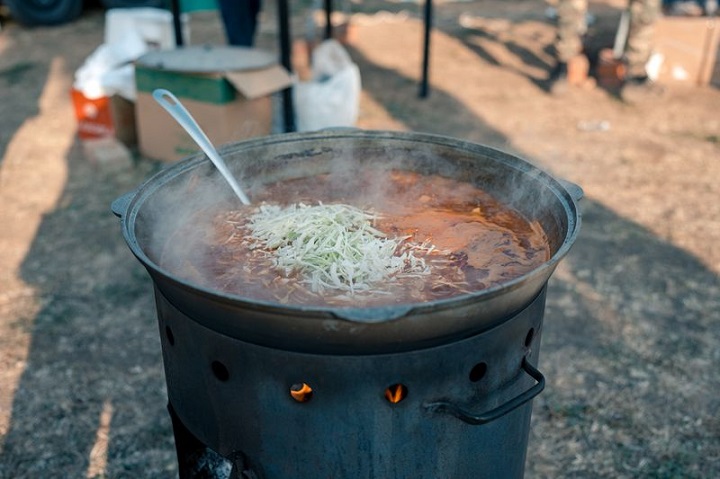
[446, 407]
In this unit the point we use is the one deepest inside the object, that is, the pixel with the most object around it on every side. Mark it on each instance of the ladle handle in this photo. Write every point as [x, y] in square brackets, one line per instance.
[173, 106]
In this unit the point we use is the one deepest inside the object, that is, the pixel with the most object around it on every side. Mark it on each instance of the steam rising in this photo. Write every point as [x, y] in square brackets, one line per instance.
[179, 214]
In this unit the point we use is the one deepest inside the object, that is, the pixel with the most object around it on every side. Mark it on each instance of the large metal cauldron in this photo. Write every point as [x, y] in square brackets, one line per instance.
[461, 368]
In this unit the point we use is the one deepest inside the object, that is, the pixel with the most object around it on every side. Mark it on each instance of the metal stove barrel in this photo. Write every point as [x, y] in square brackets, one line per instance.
[460, 410]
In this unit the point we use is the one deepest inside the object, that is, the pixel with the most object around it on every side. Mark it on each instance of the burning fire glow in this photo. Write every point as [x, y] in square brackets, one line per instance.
[301, 392]
[395, 393]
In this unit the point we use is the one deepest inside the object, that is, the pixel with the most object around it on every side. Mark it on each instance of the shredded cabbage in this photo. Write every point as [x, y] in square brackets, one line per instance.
[332, 246]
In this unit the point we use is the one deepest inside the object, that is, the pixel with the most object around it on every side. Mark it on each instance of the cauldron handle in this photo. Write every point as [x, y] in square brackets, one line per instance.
[469, 417]
[574, 189]
[120, 205]
[373, 315]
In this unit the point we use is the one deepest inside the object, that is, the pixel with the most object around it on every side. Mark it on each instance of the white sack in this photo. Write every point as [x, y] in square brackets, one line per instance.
[332, 97]
[107, 58]
[120, 81]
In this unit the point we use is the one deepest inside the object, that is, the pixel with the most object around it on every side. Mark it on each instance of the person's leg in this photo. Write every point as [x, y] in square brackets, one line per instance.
[571, 27]
[709, 7]
[637, 86]
[240, 20]
[643, 14]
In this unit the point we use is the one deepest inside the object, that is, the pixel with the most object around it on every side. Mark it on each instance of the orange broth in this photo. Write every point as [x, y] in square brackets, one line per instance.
[477, 242]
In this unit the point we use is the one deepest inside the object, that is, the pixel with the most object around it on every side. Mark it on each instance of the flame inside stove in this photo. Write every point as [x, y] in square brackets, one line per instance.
[301, 392]
[395, 393]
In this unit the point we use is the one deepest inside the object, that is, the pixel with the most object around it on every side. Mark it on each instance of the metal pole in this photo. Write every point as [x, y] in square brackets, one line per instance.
[285, 51]
[328, 16]
[177, 25]
[424, 90]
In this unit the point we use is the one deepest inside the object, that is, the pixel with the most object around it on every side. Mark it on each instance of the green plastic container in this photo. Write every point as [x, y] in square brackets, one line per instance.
[188, 6]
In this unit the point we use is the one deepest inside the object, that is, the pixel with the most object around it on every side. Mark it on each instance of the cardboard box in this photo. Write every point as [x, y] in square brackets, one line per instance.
[689, 49]
[104, 117]
[226, 89]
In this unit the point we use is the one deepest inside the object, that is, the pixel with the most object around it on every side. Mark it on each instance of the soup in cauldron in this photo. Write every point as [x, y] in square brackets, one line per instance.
[417, 238]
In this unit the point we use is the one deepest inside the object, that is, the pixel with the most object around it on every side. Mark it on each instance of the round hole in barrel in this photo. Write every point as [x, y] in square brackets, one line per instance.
[396, 393]
[169, 335]
[301, 392]
[529, 337]
[220, 371]
[478, 372]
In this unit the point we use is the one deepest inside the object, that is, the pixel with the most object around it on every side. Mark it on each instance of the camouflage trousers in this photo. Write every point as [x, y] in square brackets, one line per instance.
[572, 26]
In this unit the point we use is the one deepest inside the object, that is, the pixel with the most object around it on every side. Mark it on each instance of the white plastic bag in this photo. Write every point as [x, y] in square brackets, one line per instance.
[105, 71]
[332, 97]
[129, 33]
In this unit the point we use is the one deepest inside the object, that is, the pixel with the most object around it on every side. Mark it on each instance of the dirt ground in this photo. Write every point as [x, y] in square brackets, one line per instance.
[631, 343]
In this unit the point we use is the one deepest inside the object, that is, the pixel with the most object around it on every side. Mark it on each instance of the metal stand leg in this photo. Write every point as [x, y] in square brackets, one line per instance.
[187, 446]
[285, 51]
[328, 18]
[424, 90]
[175, 6]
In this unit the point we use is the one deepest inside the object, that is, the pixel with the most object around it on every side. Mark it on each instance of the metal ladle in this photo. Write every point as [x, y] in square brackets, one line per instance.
[176, 109]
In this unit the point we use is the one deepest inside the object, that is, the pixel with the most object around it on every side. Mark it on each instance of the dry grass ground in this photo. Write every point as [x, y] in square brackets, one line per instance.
[631, 343]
